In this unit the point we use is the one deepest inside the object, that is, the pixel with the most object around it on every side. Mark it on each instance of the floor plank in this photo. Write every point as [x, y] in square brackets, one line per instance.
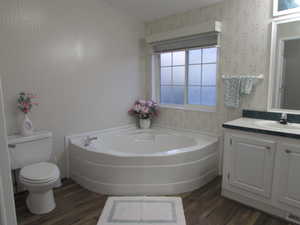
[205, 206]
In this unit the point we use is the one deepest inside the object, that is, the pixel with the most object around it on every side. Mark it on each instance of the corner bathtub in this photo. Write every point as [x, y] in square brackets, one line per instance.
[143, 162]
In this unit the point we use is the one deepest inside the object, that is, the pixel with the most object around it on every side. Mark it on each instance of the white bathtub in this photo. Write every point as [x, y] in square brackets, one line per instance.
[144, 162]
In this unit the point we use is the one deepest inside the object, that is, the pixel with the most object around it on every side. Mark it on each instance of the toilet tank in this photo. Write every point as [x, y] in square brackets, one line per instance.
[25, 151]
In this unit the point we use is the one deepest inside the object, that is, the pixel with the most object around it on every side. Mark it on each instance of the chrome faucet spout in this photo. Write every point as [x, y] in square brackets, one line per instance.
[88, 140]
[283, 120]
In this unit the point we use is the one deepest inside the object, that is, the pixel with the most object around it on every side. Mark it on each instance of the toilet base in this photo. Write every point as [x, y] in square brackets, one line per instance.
[40, 202]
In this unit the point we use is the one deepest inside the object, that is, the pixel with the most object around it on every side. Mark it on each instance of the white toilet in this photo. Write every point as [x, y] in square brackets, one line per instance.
[39, 176]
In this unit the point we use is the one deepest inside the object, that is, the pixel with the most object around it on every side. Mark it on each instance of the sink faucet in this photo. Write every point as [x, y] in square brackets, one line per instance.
[88, 140]
[283, 119]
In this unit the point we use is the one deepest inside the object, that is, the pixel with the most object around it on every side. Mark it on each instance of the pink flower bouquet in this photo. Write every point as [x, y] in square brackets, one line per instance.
[25, 103]
[144, 109]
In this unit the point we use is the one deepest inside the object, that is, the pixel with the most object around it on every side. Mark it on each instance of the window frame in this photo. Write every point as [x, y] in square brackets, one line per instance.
[156, 81]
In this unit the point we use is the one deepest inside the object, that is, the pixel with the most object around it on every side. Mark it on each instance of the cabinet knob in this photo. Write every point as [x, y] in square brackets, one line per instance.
[11, 145]
[288, 151]
[268, 147]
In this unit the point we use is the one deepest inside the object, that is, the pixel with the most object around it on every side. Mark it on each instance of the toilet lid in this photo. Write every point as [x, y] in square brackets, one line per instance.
[40, 172]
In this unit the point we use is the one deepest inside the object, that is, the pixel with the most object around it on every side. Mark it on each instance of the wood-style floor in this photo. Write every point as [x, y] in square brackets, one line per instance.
[205, 206]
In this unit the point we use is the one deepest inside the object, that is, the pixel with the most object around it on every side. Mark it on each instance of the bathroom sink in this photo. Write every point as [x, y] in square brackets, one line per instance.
[276, 125]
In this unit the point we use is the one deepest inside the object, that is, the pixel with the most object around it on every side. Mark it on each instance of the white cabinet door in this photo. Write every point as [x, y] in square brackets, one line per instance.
[252, 162]
[288, 170]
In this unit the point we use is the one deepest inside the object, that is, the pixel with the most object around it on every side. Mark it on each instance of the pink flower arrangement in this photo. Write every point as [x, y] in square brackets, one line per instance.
[143, 109]
[25, 103]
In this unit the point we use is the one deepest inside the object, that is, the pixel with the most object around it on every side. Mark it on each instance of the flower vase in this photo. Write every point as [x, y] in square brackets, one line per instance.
[27, 128]
[145, 123]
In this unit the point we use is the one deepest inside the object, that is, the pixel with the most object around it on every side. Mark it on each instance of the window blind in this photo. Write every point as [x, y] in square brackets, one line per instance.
[199, 40]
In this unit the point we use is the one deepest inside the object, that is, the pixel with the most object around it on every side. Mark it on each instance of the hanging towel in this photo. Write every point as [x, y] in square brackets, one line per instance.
[247, 84]
[232, 87]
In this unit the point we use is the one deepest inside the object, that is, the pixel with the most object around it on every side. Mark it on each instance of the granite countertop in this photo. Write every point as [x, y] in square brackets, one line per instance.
[254, 125]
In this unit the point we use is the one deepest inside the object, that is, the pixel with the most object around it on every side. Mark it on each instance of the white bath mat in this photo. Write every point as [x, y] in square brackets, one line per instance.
[142, 211]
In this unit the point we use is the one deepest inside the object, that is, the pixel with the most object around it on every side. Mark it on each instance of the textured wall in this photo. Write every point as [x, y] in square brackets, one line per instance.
[83, 58]
[244, 50]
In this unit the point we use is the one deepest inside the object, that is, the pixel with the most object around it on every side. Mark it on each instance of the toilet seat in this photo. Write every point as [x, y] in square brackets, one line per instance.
[37, 182]
[39, 173]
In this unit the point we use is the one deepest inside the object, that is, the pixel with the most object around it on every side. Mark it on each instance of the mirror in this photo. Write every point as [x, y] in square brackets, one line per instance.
[283, 7]
[284, 90]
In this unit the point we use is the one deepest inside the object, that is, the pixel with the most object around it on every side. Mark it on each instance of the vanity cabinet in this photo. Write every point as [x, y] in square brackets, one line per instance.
[263, 171]
[288, 172]
[252, 164]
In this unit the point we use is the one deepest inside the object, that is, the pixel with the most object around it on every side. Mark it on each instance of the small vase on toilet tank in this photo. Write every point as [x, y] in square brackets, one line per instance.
[25, 105]
[145, 123]
[27, 127]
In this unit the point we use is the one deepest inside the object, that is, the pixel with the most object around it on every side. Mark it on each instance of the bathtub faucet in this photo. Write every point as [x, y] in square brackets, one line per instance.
[88, 140]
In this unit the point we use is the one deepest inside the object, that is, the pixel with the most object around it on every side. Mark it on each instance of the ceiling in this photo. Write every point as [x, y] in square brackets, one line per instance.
[148, 10]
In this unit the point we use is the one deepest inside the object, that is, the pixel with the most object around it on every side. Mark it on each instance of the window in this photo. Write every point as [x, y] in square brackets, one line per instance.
[188, 77]
[172, 74]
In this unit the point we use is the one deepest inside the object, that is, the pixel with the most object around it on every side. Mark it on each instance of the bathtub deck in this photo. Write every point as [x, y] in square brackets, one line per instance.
[205, 206]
